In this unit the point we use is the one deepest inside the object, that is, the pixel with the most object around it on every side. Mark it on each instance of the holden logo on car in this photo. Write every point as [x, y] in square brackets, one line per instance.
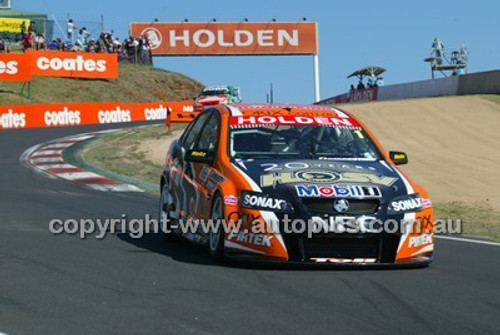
[153, 36]
[341, 205]
[318, 176]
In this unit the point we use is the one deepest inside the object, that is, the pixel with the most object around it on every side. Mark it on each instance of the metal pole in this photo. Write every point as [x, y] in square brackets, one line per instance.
[316, 78]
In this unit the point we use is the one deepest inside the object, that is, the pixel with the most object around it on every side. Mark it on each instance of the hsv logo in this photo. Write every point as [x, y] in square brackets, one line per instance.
[77, 65]
[242, 38]
[153, 37]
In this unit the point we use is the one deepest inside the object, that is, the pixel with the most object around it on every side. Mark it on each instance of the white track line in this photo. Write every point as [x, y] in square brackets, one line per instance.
[46, 160]
[56, 166]
[468, 240]
[46, 152]
[79, 175]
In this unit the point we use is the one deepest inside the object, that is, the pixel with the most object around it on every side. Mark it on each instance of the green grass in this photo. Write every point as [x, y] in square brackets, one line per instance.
[130, 160]
[476, 221]
[491, 97]
[136, 83]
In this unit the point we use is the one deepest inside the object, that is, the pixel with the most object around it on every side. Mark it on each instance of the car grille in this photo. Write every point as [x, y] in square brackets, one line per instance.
[341, 248]
[320, 207]
[381, 247]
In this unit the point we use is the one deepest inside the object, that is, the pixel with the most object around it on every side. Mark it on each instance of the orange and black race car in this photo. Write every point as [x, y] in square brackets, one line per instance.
[293, 184]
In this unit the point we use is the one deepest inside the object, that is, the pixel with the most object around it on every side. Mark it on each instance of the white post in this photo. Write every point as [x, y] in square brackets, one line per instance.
[316, 78]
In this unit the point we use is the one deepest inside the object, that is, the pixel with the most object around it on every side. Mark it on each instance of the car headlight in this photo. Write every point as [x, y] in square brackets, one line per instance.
[405, 204]
[256, 200]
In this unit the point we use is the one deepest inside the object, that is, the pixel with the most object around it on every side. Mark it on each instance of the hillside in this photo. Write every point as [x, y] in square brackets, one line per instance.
[136, 83]
[453, 143]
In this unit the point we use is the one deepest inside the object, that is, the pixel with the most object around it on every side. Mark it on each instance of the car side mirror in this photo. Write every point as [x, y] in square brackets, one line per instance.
[200, 156]
[398, 157]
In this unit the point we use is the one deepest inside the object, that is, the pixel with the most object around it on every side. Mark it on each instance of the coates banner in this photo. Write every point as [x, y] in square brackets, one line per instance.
[74, 64]
[78, 114]
[14, 67]
[9, 25]
[244, 38]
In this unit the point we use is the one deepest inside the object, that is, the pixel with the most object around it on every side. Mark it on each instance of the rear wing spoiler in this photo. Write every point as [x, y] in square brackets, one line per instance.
[180, 112]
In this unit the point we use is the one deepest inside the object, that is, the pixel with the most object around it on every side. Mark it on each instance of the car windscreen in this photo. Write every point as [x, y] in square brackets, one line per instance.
[214, 92]
[297, 141]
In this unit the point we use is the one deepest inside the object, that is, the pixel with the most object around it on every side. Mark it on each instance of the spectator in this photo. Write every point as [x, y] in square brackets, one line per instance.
[27, 42]
[23, 29]
[361, 86]
[116, 44]
[70, 27]
[4, 47]
[352, 88]
[39, 41]
[31, 27]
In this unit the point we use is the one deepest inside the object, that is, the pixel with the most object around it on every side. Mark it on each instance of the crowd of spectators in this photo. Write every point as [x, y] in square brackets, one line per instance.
[133, 50]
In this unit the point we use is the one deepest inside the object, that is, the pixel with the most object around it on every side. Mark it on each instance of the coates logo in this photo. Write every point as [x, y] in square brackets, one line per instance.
[12, 120]
[9, 68]
[78, 64]
[153, 36]
[64, 117]
[159, 113]
[114, 116]
[75, 65]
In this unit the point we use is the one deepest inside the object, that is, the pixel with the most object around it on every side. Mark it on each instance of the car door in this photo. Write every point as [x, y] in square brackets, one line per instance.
[183, 187]
[206, 177]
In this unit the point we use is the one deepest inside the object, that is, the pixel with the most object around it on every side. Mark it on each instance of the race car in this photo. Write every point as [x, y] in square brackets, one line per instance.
[293, 184]
[214, 95]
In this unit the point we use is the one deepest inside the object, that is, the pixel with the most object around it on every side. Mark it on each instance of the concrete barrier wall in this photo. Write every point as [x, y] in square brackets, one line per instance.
[480, 83]
[420, 89]
[474, 83]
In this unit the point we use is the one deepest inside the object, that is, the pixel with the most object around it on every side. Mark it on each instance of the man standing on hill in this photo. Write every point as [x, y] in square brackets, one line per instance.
[70, 28]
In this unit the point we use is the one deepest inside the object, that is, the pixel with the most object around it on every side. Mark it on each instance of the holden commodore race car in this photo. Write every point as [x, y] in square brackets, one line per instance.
[214, 95]
[294, 184]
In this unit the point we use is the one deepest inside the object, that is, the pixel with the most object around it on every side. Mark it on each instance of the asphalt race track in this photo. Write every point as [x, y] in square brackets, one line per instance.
[64, 285]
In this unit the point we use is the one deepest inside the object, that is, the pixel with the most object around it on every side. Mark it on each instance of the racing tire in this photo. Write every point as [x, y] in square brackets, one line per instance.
[216, 235]
[166, 203]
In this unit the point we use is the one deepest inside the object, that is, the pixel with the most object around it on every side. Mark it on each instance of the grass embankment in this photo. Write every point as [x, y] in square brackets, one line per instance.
[141, 153]
[136, 83]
